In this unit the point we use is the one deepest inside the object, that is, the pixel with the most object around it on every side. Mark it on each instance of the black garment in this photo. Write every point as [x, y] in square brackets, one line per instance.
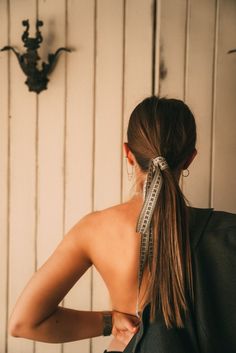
[211, 325]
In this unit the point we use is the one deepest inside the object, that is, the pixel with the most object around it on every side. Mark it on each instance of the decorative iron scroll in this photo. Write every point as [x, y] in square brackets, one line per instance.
[37, 79]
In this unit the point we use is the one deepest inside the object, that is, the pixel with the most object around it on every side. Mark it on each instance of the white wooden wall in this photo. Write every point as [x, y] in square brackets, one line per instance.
[61, 151]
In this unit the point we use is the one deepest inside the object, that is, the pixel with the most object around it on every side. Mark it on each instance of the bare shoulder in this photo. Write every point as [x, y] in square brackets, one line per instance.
[97, 228]
[95, 222]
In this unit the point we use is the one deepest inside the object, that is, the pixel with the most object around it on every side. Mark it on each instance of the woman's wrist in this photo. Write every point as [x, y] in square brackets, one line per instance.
[107, 323]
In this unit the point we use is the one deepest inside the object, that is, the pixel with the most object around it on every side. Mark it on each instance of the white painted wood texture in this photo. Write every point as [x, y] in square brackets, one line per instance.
[224, 166]
[4, 165]
[61, 153]
[199, 96]
[173, 42]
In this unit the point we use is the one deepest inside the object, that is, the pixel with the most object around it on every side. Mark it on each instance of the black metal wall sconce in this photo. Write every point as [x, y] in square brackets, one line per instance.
[37, 79]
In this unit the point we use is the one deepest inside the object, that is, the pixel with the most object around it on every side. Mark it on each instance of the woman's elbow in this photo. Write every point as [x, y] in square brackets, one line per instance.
[15, 328]
[19, 329]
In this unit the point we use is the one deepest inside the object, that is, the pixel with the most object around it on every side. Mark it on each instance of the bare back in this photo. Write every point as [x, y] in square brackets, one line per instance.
[114, 250]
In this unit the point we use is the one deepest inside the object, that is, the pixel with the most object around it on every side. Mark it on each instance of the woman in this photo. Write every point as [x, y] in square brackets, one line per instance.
[161, 143]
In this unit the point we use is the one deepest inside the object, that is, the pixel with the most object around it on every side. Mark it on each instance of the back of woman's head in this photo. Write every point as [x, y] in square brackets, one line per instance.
[161, 126]
[166, 127]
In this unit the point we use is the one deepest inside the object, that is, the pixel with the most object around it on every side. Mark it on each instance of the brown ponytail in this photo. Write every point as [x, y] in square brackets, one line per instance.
[166, 127]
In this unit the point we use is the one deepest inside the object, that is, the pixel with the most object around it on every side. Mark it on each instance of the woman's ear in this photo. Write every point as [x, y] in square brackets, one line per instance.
[128, 153]
[126, 149]
[190, 159]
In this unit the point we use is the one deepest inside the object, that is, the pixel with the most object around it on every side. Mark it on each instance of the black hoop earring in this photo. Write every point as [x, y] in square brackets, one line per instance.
[185, 175]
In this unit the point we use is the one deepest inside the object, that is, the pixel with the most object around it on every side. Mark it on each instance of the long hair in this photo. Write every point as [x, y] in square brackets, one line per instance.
[166, 127]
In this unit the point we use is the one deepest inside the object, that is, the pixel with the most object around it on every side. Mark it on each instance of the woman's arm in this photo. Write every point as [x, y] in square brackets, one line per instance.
[37, 314]
[63, 325]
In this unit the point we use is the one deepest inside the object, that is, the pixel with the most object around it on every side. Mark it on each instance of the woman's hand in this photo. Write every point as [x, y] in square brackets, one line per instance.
[124, 326]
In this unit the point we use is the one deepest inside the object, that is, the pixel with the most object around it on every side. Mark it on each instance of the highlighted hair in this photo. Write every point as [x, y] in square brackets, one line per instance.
[166, 127]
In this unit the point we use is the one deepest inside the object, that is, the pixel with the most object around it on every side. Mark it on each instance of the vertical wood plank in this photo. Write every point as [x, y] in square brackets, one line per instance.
[108, 102]
[4, 145]
[51, 117]
[107, 125]
[79, 146]
[172, 50]
[157, 63]
[199, 97]
[138, 66]
[22, 169]
[224, 167]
